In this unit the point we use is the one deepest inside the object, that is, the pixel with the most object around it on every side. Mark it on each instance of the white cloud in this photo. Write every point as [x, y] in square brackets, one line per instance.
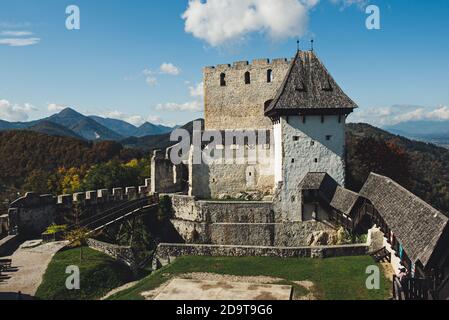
[151, 81]
[386, 116]
[10, 33]
[136, 120]
[192, 106]
[169, 68]
[53, 107]
[14, 112]
[150, 77]
[218, 21]
[19, 42]
[347, 3]
[197, 90]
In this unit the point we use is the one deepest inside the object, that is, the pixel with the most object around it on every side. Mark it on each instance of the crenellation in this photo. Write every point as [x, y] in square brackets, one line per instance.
[103, 194]
[79, 197]
[261, 62]
[222, 67]
[91, 195]
[240, 64]
[65, 199]
[143, 190]
[131, 193]
[278, 61]
[117, 193]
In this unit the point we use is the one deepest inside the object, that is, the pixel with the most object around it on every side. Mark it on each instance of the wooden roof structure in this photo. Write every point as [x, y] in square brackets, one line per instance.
[416, 224]
[421, 229]
[308, 88]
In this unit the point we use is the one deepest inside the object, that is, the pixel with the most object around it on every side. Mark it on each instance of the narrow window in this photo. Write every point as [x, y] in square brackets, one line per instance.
[247, 77]
[295, 138]
[328, 138]
[269, 75]
[293, 160]
[312, 143]
[222, 80]
[316, 160]
[303, 119]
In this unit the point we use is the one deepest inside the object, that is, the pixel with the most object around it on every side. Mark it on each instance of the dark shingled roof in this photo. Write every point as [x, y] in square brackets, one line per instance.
[417, 225]
[319, 181]
[308, 87]
[344, 200]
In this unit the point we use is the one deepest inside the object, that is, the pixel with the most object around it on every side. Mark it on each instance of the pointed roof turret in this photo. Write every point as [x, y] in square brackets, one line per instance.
[308, 88]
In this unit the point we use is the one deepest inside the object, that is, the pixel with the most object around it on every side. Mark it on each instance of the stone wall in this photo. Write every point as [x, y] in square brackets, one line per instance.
[120, 253]
[230, 177]
[165, 176]
[8, 245]
[167, 253]
[242, 223]
[4, 225]
[31, 214]
[238, 105]
[190, 209]
[237, 211]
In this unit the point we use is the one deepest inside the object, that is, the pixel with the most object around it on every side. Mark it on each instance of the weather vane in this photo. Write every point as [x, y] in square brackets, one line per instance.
[311, 45]
[297, 44]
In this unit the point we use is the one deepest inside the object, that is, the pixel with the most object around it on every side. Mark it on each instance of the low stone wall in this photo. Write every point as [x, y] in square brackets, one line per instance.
[8, 245]
[167, 253]
[122, 254]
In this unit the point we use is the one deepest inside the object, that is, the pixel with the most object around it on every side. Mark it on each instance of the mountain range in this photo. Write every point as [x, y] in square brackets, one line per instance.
[436, 132]
[70, 123]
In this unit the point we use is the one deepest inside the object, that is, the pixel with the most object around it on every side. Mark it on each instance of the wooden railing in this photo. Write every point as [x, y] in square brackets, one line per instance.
[410, 289]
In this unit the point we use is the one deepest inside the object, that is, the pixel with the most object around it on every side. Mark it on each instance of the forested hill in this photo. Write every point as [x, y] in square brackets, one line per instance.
[22, 152]
[421, 167]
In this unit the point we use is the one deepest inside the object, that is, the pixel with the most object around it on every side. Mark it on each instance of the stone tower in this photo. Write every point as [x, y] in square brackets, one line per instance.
[308, 115]
[235, 95]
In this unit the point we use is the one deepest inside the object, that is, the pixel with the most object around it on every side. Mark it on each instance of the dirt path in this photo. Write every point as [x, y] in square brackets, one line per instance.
[27, 269]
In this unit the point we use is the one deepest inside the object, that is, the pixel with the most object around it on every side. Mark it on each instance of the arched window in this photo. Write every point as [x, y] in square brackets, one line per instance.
[270, 76]
[247, 77]
[223, 80]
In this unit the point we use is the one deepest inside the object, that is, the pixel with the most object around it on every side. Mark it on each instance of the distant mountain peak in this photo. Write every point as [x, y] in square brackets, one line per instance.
[69, 112]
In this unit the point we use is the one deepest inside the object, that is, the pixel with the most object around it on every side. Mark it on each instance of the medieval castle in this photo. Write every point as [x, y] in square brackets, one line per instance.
[292, 203]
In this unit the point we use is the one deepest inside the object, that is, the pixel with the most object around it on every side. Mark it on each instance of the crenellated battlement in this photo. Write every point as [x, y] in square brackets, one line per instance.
[241, 65]
[33, 213]
[104, 195]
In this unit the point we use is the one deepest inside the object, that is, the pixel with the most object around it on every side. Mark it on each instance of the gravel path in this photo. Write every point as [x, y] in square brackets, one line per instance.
[28, 267]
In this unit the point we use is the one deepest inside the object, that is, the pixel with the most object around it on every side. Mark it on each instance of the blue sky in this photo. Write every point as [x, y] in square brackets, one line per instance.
[142, 60]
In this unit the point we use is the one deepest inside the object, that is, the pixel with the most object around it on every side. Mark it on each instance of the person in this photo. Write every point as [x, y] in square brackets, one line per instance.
[402, 275]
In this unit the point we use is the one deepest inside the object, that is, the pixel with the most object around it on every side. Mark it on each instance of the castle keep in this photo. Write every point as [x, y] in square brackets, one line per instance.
[295, 111]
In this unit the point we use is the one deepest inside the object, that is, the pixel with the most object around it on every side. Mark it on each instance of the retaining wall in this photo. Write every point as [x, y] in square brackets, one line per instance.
[166, 253]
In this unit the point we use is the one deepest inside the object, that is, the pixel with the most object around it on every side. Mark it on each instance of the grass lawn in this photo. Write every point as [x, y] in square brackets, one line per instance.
[334, 278]
[98, 275]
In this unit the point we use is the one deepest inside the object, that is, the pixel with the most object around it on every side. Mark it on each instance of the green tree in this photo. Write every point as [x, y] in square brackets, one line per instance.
[109, 175]
[37, 181]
